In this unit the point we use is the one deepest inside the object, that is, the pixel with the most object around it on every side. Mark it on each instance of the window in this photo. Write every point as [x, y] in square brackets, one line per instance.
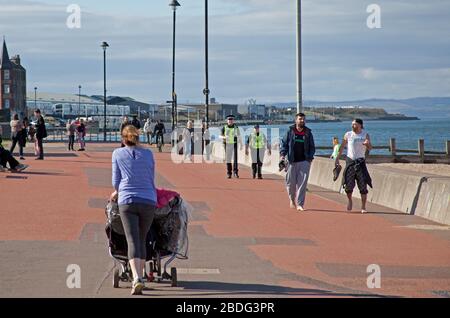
[6, 75]
[6, 89]
[6, 103]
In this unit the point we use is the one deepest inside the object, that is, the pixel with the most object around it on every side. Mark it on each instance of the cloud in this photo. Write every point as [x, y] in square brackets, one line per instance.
[368, 73]
[252, 49]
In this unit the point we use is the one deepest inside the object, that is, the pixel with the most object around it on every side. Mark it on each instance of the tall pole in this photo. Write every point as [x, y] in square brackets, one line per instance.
[79, 100]
[104, 46]
[206, 90]
[173, 73]
[299, 57]
[35, 97]
[104, 95]
[174, 4]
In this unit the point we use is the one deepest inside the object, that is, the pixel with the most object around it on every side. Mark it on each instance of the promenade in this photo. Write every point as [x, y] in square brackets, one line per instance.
[244, 239]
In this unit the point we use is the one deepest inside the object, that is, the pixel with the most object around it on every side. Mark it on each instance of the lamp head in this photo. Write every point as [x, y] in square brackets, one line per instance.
[174, 4]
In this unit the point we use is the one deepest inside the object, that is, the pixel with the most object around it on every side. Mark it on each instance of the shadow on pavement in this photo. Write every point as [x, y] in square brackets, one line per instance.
[38, 173]
[356, 212]
[54, 154]
[235, 289]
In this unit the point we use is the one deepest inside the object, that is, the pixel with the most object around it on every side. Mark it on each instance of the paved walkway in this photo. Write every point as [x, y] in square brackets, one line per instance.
[244, 238]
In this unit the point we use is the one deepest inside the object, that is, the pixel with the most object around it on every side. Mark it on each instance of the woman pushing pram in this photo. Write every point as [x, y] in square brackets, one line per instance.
[167, 238]
[133, 178]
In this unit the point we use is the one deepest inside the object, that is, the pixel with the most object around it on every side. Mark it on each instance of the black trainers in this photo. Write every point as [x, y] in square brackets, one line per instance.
[229, 176]
[236, 175]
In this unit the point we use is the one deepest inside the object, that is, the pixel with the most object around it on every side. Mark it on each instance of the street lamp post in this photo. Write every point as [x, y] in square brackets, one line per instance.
[174, 4]
[35, 97]
[104, 46]
[299, 57]
[206, 90]
[79, 100]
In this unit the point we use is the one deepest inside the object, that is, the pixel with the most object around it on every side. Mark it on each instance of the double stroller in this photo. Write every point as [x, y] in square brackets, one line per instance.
[167, 239]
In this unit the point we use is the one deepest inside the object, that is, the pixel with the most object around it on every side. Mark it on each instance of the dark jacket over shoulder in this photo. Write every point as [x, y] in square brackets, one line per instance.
[288, 142]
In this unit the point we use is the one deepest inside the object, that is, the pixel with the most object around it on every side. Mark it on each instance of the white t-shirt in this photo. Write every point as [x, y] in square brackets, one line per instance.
[355, 147]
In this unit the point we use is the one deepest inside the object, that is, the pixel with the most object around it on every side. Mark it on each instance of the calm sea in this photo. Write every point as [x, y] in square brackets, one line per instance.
[435, 132]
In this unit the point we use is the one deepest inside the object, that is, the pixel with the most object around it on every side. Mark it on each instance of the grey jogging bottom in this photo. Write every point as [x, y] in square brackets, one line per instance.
[137, 219]
[297, 180]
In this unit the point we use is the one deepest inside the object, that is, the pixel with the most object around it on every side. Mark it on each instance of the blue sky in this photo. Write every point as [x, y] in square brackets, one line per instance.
[252, 48]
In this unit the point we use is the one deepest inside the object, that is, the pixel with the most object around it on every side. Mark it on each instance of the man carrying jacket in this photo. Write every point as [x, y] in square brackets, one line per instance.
[298, 147]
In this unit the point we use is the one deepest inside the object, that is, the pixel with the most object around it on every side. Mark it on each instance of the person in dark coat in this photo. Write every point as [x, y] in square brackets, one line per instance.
[41, 133]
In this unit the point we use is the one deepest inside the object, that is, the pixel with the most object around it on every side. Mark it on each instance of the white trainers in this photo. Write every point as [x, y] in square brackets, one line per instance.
[2, 169]
[138, 286]
[300, 208]
[363, 211]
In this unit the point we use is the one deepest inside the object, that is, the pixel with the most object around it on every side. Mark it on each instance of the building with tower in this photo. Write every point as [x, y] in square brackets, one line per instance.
[13, 88]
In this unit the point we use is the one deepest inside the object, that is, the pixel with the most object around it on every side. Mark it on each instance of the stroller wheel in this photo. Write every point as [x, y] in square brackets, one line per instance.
[116, 277]
[173, 274]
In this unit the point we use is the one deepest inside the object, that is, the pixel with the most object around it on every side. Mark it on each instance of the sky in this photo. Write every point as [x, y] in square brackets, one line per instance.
[252, 48]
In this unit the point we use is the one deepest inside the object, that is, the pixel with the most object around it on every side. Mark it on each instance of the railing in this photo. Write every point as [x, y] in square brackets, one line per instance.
[96, 135]
[59, 134]
[113, 135]
[420, 151]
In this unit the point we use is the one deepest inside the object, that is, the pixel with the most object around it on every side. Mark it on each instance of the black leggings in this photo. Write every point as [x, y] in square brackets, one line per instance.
[137, 219]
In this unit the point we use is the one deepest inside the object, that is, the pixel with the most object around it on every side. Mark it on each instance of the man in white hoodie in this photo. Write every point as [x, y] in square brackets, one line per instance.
[147, 131]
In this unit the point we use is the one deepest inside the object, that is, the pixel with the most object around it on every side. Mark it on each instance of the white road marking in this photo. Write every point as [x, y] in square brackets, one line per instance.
[198, 271]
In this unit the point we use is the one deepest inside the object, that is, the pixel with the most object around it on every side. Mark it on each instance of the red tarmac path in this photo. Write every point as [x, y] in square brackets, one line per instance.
[243, 228]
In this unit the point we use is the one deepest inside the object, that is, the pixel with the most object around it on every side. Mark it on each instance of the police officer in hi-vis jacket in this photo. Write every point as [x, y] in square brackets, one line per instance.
[257, 142]
[231, 138]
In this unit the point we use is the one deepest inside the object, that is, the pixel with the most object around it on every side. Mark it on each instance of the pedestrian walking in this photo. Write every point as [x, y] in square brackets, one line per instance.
[133, 178]
[41, 133]
[297, 146]
[257, 143]
[148, 131]
[159, 132]
[136, 123]
[188, 140]
[24, 135]
[231, 139]
[206, 141]
[71, 128]
[81, 131]
[336, 147]
[358, 145]
[16, 135]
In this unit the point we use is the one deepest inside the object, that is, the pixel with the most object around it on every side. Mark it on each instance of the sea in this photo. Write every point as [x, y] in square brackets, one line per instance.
[435, 133]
